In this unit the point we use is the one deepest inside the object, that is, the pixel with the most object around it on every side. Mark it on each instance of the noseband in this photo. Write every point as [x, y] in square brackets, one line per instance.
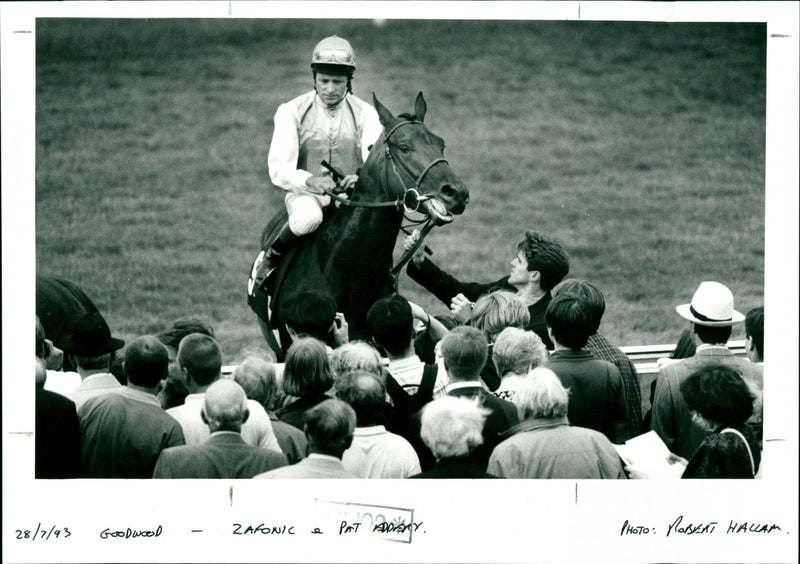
[407, 192]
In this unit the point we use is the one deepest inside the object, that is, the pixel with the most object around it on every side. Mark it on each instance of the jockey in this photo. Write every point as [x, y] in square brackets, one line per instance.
[328, 123]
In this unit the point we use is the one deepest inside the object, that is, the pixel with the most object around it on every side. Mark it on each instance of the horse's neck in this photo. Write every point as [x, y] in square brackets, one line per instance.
[373, 228]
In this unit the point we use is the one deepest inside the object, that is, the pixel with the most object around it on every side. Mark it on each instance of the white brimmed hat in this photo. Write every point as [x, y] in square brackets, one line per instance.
[712, 305]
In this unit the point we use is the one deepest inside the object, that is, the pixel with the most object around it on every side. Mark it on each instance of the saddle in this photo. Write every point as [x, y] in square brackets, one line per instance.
[259, 288]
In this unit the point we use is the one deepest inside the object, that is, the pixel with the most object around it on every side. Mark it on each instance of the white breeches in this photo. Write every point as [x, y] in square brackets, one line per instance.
[305, 211]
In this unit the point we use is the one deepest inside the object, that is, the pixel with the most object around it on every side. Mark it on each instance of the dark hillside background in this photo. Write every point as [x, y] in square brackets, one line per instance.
[638, 146]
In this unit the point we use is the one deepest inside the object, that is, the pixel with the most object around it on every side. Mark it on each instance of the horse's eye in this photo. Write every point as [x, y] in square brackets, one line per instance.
[404, 148]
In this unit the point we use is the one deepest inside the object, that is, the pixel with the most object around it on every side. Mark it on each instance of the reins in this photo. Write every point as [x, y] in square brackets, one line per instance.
[407, 192]
[413, 192]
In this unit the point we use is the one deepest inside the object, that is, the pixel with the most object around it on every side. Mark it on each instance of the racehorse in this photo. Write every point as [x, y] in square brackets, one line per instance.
[349, 256]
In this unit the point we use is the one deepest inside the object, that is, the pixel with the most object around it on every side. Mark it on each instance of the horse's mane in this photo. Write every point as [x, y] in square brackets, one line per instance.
[409, 117]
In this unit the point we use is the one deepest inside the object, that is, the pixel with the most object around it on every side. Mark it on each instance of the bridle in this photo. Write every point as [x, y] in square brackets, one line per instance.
[412, 192]
[411, 199]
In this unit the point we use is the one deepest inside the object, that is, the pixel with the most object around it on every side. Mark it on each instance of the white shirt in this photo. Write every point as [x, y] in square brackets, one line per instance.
[377, 453]
[408, 373]
[285, 147]
[256, 431]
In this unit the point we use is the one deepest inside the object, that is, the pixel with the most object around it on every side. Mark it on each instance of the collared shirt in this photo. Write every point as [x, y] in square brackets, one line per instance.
[351, 125]
[256, 431]
[599, 346]
[123, 433]
[408, 373]
[94, 385]
[314, 466]
[459, 385]
[377, 453]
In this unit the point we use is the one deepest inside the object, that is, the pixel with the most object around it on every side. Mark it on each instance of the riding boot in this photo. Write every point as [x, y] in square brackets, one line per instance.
[285, 241]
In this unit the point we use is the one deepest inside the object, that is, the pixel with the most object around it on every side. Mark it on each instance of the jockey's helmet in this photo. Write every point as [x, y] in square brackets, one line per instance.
[333, 55]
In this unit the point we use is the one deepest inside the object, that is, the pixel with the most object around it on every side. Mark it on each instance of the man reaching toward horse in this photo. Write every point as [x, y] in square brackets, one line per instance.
[328, 123]
[537, 267]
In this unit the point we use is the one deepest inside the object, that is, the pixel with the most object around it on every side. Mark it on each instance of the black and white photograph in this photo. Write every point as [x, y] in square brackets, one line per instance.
[358, 247]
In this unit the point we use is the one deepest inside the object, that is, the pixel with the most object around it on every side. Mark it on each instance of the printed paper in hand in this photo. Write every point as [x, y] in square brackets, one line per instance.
[648, 454]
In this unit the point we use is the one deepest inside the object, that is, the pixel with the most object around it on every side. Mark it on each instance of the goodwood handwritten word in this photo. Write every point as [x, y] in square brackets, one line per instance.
[129, 533]
[686, 527]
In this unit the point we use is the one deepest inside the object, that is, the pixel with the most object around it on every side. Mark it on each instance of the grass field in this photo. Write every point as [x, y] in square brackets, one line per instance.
[639, 146]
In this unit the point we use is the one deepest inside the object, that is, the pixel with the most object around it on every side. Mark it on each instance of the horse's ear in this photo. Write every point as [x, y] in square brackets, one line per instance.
[385, 116]
[420, 107]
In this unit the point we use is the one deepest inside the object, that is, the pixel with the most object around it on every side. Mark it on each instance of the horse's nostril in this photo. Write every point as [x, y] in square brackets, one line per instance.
[448, 191]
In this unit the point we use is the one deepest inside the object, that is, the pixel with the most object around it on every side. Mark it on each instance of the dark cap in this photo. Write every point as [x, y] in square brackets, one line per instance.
[91, 337]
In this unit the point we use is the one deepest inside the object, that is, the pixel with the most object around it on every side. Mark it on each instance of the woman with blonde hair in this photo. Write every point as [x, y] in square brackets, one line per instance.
[515, 353]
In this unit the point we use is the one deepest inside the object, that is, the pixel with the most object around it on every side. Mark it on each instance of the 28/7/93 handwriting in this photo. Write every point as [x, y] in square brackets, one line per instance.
[682, 526]
[42, 533]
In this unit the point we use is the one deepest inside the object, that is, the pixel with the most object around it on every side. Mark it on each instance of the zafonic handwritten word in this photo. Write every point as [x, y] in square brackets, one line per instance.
[399, 528]
[263, 529]
[746, 527]
[677, 526]
[635, 529]
[130, 533]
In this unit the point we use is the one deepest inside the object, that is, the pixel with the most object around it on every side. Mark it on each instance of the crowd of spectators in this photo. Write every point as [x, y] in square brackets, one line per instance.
[516, 382]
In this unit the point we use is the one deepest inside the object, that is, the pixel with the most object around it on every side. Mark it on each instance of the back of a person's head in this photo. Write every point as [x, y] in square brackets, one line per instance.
[495, 311]
[541, 395]
[452, 426]
[356, 355]
[309, 314]
[590, 294]
[754, 328]
[307, 370]
[329, 426]
[180, 328]
[256, 376]
[569, 321]
[712, 335]
[146, 362]
[547, 257]
[517, 351]
[464, 350]
[225, 405]
[685, 347]
[200, 355]
[365, 393]
[719, 394]
[391, 324]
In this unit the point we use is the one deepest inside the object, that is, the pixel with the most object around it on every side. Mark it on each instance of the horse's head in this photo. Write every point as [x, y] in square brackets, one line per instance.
[415, 169]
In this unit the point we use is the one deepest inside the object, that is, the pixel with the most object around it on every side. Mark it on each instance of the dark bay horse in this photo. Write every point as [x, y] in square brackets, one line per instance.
[350, 255]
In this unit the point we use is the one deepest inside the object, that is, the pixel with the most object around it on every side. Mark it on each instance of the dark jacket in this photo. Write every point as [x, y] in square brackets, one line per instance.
[503, 416]
[58, 436]
[445, 287]
[223, 455]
